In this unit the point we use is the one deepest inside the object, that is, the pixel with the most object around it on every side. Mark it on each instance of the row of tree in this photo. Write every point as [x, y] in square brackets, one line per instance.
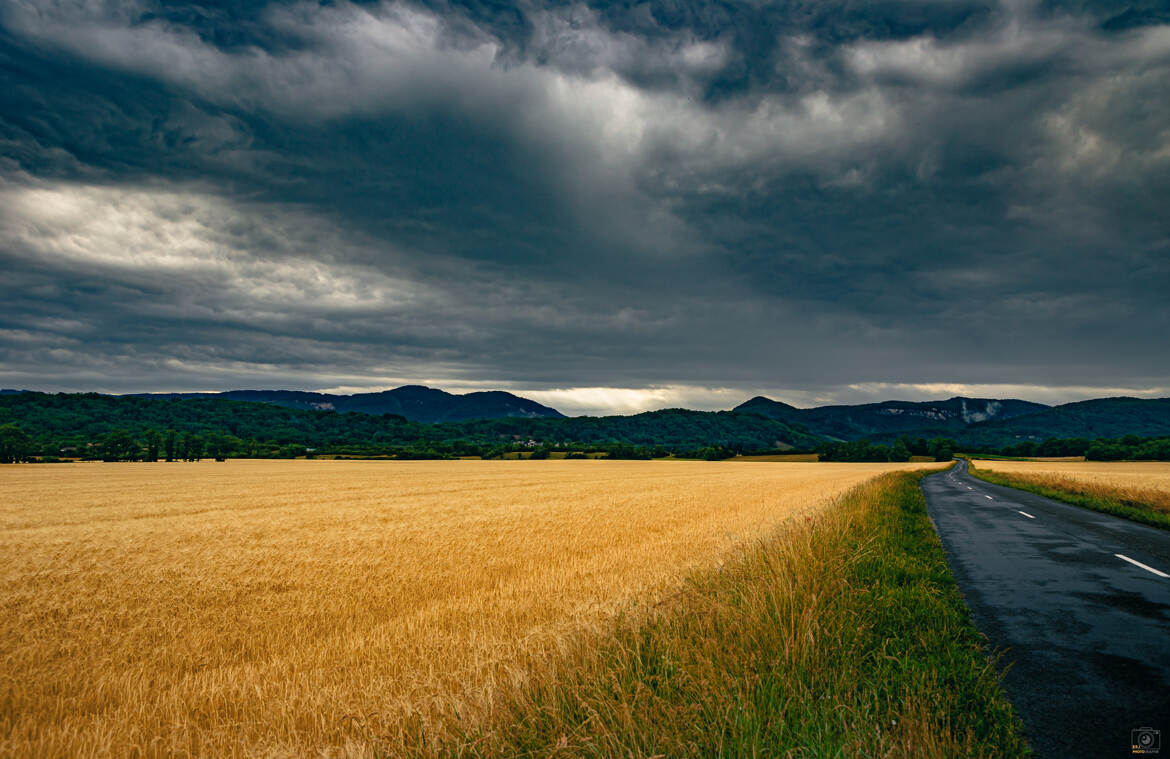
[122, 444]
[119, 445]
[1129, 447]
[939, 448]
[172, 445]
[1148, 449]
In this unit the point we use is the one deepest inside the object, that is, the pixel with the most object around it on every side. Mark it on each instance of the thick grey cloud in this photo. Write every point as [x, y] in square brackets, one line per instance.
[683, 201]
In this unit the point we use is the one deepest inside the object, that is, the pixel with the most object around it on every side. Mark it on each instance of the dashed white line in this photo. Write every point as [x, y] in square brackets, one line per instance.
[1143, 566]
[1029, 516]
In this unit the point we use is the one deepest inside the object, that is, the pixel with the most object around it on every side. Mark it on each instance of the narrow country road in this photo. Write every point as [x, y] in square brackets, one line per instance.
[1080, 602]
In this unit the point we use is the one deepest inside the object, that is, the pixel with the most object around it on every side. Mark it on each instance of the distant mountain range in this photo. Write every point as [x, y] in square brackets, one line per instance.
[422, 413]
[879, 419]
[1097, 418]
[974, 421]
[76, 420]
[414, 402]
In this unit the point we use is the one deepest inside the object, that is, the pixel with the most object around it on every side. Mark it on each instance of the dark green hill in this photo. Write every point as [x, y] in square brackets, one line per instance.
[1098, 418]
[415, 402]
[891, 418]
[77, 420]
[975, 422]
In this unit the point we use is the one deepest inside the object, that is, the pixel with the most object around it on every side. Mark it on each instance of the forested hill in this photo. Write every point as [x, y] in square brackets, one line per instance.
[79, 421]
[415, 402]
[892, 418]
[81, 424]
[1098, 418]
[976, 423]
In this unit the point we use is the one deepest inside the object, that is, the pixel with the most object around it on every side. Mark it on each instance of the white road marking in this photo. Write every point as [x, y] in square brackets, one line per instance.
[1143, 566]
[989, 498]
[1029, 516]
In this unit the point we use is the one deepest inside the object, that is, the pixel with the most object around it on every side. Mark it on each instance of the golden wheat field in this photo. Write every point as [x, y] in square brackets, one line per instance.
[1146, 482]
[303, 608]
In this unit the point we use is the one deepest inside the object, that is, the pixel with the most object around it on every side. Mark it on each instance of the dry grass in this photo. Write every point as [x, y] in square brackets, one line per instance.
[298, 608]
[1142, 483]
[839, 636]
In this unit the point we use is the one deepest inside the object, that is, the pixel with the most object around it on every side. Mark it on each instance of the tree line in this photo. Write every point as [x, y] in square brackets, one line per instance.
[1127, 448]
[119, 445]
[173, 445]
[939, 448]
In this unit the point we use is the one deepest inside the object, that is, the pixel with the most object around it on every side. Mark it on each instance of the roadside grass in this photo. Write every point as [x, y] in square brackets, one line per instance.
[1150, 507]
[842, 636]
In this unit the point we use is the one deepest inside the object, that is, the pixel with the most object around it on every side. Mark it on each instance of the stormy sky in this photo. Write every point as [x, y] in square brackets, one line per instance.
[603, 206]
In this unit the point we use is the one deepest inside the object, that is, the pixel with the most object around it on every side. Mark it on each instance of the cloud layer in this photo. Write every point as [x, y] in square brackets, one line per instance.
[614, 205]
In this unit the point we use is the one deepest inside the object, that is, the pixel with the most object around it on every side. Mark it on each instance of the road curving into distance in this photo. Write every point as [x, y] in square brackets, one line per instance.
[1078, 601]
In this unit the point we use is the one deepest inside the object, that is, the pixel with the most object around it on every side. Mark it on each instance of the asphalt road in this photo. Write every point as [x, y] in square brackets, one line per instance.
[1086, 633]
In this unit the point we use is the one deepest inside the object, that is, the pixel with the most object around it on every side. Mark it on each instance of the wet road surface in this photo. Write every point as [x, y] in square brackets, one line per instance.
[1078, 600]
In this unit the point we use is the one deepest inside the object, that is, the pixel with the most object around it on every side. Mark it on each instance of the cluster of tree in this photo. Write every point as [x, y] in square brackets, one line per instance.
[15, 444]
[1129, 447]
[171, 445]
[710, 453]
[1053, 446]
[939, 448]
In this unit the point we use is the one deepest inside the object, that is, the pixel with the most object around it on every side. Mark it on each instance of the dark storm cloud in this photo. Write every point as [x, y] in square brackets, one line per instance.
[824, 199]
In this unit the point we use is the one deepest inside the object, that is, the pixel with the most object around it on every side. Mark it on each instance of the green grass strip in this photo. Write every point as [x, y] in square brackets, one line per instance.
[1118, 507]
[843, 636]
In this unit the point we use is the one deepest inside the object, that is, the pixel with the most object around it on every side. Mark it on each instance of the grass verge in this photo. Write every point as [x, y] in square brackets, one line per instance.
[1139, 507]
[844, 636]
